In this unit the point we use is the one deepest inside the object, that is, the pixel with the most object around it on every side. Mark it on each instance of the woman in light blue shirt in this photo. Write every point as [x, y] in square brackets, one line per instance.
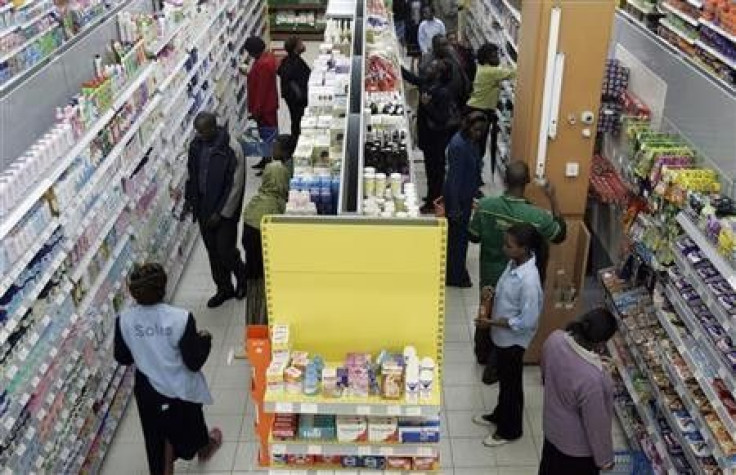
[517, 305]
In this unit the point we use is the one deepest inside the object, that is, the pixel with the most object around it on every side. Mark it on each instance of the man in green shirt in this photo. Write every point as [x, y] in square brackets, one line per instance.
[493, 216]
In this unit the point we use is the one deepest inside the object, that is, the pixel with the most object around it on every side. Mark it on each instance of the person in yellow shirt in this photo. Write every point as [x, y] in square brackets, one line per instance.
[484, 98]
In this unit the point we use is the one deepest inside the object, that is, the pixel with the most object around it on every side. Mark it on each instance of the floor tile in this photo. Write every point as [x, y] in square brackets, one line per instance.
[457, 332]
[461, 426]
[230, 425]
[245, 456]
[460, 398]
[227, 401]
[220, 462]
[472, 453]
[520, 452]
[460, 374]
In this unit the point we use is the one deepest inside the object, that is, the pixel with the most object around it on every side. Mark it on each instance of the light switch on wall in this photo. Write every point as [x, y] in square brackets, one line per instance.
[572, 169]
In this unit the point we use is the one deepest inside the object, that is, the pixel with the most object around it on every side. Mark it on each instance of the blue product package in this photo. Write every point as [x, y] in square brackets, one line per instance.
[351, 461]
[374, 463]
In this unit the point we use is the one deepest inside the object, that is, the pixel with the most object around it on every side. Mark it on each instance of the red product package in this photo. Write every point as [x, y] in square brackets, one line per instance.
[426, 463]
[328, 460]
[300, 460]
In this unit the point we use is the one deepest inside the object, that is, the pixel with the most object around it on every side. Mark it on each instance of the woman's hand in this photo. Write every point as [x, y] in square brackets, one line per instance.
[425, 98]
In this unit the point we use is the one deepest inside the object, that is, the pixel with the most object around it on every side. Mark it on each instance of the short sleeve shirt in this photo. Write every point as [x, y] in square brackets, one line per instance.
[493, 217]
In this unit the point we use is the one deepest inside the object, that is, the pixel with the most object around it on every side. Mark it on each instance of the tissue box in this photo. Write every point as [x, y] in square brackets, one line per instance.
[351, 429]
[383, 429]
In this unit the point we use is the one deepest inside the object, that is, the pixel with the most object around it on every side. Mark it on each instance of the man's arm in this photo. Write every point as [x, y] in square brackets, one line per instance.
[424, 42]
[237, 189]
[553, 228]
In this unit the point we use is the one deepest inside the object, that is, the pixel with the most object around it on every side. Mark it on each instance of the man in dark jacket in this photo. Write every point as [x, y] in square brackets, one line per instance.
[294, 74]
[214, 194]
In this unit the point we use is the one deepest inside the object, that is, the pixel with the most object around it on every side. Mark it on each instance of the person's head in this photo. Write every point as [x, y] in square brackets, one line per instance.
[283, 147]
[255, 46]
[474, 126]
[594, 328]
[452, 38]
[488, 55]
[522, 241]
[205, 125]
[294, 46]
[440, 46]
[438, 70]
[275, 181]
[427, 13]
[147, 283]
[517, 177]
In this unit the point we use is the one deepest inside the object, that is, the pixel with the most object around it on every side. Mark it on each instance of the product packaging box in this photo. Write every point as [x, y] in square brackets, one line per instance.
[419, 430]
[383, 429]
[351, 429]
[398, 463]
[426, 463]
[317, 427]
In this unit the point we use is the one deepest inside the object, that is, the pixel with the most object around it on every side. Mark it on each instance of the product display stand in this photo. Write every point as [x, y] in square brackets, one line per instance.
[326, 293]
[115, 197]
[302, 19]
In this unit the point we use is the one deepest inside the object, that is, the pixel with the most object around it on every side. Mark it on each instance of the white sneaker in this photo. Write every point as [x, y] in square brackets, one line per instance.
[492, 441]
[479, 419]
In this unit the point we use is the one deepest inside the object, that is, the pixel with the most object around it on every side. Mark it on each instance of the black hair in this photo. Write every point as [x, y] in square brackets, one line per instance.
[205, 121]
[147, 283]
[517, 174]
[290, 44]
[488, 55]
[593, 327]
[287, 144]
[444, 70]
[255, 46]
[527, 236]
[473, 118]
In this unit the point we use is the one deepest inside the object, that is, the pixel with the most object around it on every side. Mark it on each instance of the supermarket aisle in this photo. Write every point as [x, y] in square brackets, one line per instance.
[464, 395]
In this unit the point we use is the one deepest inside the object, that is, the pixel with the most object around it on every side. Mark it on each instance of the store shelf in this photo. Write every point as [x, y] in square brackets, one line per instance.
[372, 406]
[34, 194]
[299, 470]
[311, 35]
[706, 295]
[10, 54]
[731, 63]
[727, 270]
[297, 6]
[639, 6]
[686, 18]
[512, 10]
[318, 447]
[705, 347]
[19, 265]
[668, 24]
[718, 29]
[158, 47]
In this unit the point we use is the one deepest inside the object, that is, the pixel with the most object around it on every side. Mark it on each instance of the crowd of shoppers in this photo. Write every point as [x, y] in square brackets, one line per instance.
[456, 116]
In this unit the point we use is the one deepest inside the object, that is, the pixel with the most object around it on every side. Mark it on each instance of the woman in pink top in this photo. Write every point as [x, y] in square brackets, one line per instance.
[578, 398]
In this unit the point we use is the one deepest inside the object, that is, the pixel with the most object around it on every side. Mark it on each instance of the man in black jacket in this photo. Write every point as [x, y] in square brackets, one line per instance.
[214, 194]
[294, 74]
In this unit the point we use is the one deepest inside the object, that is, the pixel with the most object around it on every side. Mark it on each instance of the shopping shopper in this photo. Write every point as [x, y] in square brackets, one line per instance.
[214, 194]
[464, 54]
[168, 352]
[430, 27]
[517, 304]
[459, 85]
[578, 398]
[271, 199]
[401, 10]
[438, 118]
[414, 19]
[486, 89]
[263, 98]
[492, 217]
[463, 153]
[294, 74]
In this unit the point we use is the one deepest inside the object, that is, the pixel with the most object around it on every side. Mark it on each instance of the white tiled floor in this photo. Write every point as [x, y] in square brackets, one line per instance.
[462, 451]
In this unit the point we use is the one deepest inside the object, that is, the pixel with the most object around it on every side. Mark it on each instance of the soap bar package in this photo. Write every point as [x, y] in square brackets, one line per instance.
[351, 429]
[383, 429]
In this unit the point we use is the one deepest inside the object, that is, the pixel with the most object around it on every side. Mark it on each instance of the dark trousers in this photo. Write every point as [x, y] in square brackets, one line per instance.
[509, 412]
[296, 112]
[180, 423]
[555, 462]
[434, 165]
[222, 250]
[457, 250]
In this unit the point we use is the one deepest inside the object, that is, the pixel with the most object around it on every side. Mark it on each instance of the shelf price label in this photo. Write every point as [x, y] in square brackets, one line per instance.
[413, 411]
[393, 410]
[309, 408]
[364, 451]
[363, 410]
[278, 449]
[425, 452]
[285, 407]
[314, 450]
[386, 451]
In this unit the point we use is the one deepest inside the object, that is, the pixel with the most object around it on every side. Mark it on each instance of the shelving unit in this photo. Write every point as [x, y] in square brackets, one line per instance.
[416, 284]
[307, 20]
[64, 394]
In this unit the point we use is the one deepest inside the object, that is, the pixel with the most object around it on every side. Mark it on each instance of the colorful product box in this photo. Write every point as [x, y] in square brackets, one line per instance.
[426, 463]
[317, 427]
[351, 429]
[383, 429]
[419, 431]
[398, 463]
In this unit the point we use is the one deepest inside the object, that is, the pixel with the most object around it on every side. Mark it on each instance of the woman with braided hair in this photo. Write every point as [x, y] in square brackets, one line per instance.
[170, 389]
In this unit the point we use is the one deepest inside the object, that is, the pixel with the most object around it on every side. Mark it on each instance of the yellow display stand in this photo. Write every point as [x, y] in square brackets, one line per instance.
[357, 284]
[353, 284]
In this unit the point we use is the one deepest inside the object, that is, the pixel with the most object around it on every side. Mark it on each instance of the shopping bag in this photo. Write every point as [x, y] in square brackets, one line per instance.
[258, 141]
